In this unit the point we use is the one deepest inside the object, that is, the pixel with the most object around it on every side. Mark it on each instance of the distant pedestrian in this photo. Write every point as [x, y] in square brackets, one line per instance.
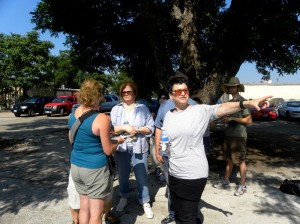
[235, 137]
[156, 164]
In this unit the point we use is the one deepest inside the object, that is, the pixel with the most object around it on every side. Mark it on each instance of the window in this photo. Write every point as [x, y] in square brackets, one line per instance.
[107, 99]
[70, 100]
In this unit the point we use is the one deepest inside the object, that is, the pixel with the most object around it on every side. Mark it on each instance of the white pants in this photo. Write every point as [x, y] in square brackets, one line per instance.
[73, 196]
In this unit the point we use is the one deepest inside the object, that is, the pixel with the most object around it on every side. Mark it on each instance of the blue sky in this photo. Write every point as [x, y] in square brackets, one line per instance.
[15, 18]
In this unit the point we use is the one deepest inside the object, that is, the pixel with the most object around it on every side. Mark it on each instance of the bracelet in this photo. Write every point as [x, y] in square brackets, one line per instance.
[242, 104]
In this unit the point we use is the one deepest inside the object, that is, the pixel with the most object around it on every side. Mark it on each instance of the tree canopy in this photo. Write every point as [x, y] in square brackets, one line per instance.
[25, 61]
[151, 39]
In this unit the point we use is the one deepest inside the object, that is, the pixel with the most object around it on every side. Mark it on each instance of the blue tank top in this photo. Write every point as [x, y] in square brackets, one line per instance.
[87, 148]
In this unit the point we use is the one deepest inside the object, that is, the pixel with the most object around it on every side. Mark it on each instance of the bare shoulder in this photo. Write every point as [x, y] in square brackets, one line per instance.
[103, 118]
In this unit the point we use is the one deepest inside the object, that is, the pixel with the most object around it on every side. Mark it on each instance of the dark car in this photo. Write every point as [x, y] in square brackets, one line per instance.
[31, 106]
[152, 105]
[110, 101]
[268, 113]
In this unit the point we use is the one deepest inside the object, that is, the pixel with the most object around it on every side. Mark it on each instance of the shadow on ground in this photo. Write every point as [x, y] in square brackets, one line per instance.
[32, 171]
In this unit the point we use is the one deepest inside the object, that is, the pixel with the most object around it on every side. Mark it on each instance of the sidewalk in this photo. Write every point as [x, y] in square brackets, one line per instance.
[33, 182]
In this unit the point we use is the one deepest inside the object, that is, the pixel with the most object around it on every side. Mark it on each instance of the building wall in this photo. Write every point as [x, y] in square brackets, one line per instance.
[285, 91]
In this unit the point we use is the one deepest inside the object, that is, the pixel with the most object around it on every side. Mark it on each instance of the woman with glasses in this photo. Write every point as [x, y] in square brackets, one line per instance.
[188, 167]
[134, 119]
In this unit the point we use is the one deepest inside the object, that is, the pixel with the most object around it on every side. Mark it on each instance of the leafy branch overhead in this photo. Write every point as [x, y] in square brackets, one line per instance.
[151, 39]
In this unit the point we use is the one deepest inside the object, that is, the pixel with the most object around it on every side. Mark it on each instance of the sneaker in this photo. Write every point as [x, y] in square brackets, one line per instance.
[122, 204]
[241, 190]
[168, 220]
[148, 210]
[222, 184]
[116, 175]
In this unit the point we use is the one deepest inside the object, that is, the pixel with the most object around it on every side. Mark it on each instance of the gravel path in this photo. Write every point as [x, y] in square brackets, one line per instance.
[34, 174]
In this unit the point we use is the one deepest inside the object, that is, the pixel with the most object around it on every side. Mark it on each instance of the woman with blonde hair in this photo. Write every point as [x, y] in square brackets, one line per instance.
[92, 144]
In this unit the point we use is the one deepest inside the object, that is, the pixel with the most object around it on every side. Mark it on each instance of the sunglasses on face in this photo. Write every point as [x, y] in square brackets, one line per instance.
[126, 92]
[178, 92]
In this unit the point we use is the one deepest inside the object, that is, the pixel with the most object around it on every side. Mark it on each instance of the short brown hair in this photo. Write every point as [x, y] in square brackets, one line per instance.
[91, 91]
[131, 84]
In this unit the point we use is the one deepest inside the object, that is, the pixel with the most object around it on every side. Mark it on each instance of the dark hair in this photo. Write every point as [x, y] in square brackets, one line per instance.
[178, 78]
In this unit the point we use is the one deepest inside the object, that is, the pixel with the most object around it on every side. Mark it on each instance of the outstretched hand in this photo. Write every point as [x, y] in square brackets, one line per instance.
[260, 103]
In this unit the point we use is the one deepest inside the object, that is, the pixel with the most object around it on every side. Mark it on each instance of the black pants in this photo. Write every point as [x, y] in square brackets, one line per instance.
[185, 197]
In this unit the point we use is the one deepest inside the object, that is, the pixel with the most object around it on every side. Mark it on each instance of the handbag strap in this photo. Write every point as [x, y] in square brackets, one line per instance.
[77, 124]
[74, 129]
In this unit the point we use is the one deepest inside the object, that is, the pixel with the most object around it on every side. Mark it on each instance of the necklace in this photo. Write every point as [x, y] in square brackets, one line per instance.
[129, 112]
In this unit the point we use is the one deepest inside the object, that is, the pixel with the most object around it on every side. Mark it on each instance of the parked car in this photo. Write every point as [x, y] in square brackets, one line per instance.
[152, 103]
[110, 101]
[268, 113]
[275, 102]
[289, 109]
[31, 106]
[60, 105]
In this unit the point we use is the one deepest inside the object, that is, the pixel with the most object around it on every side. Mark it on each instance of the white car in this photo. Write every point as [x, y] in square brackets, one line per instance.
[110, 101]
[289, 109]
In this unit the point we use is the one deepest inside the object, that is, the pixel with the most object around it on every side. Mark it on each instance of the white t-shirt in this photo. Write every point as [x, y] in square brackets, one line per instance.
[185, 130]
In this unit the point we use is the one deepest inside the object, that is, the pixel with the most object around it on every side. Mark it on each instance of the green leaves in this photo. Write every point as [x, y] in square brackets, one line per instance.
[25, 60]
[150, 40]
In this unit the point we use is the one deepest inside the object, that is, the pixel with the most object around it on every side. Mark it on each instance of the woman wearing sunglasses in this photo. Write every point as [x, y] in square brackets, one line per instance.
[134, 119]
[188, 167]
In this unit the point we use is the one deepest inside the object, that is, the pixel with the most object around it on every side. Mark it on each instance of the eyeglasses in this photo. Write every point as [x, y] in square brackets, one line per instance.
[126, 92]
[178, 92]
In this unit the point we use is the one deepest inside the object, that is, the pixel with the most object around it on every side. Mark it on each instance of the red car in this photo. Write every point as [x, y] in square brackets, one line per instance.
[268, 113]
[60, 105]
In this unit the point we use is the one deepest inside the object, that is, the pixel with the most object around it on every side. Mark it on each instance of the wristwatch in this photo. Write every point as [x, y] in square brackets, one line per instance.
[139, 129]
[242, 104]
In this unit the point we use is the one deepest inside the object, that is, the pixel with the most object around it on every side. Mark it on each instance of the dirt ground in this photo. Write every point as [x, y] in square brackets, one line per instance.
[34, 172]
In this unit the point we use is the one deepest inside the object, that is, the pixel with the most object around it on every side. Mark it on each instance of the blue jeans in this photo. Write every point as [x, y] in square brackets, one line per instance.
[166, 170]
[140, 169]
